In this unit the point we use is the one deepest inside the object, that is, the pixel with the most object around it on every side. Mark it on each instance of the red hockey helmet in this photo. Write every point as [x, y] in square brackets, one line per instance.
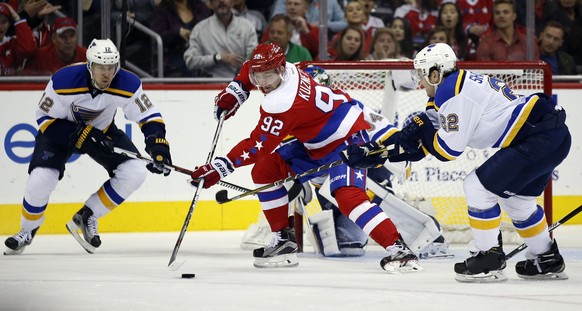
[267, 56]
[265, 67]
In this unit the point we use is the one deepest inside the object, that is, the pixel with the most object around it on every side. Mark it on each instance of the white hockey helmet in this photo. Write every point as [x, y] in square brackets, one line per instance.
[438, 56]
[104, 52]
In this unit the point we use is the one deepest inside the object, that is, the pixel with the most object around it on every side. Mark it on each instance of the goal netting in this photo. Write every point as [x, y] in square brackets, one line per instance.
[434, 187]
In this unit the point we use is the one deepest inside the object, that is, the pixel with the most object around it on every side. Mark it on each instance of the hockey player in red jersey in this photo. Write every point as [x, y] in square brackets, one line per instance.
[325, 121]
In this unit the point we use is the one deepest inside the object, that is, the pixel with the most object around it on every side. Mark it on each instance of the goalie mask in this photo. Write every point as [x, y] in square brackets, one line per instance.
[439, 57]
[319, 75]
[102, 62]
[267, 67]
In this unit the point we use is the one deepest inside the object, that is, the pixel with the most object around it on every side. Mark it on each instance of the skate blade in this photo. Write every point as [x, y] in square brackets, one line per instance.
[10, 252]
[491, 277]
[281, 261]
[74, 231]
[545, 277]
[396, 267]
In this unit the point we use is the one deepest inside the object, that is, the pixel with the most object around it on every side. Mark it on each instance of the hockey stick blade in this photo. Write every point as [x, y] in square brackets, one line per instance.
[550, 229]
[221, 196]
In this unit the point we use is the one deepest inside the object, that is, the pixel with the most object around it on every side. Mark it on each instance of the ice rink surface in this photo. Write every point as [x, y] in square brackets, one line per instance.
[129, 272]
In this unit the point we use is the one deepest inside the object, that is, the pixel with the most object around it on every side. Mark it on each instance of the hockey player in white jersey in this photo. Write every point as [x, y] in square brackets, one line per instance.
[76, 115]
[472, 109]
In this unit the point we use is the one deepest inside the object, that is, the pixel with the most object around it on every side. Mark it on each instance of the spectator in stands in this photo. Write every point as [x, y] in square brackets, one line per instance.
[551, 40]
[384, 45]
[569, 14]
[504, 43]
[422, 15]
[438, 34]
[174, 21]
[356, 18]
[401, 29]
[335, 14]
[255, 17]
[220, 43]
[64, 51]
[13, 49]
[477, 17]
[542, 13]
[350, 46]
[304, 34]
[450, 18]
[280, 31]
[35, 13]
[371, 21]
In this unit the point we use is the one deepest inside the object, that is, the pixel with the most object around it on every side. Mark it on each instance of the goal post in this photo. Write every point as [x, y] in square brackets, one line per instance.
[434, 187]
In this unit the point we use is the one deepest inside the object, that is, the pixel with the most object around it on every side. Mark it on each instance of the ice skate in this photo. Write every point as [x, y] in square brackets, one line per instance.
[85, 222]
[483, 266]
[17, 243]
[280, 253]
[547, 266]
[400, 259]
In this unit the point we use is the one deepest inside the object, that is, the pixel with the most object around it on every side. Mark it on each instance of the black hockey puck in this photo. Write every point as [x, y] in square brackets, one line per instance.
[188, 275]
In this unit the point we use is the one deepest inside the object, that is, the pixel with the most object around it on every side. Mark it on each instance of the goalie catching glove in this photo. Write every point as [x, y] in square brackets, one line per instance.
[212, 172]
[90, 140]
[159, 149]
[229, 100]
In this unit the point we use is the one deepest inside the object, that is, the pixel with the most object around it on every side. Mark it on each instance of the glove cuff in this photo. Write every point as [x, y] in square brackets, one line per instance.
[235, 89]
[222, 166]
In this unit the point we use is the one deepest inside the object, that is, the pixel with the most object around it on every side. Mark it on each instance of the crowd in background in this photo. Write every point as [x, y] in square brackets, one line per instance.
[213, 38]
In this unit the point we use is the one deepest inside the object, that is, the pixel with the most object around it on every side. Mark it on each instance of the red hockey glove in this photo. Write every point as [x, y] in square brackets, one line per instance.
[229, 100]
[212, 172]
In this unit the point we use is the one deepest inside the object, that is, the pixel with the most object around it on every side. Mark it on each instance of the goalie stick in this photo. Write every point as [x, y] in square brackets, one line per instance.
[173, 265]
[552, 227]
[172, 167]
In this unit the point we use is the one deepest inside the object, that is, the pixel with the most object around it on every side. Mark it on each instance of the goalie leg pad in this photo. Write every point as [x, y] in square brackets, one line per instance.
[351, 238]
[418, 230]
[324, 229]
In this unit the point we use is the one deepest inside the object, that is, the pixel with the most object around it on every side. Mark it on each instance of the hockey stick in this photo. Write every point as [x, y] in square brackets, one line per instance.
[222, 195]
[173, 265]
[550, 229]
[172, 167]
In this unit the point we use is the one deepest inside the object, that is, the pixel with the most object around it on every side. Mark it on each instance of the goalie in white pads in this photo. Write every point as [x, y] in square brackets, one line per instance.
[337, 235]
[76, 115]
[479, 111]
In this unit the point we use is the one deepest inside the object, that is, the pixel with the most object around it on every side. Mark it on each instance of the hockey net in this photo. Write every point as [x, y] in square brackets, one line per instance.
[434, 187]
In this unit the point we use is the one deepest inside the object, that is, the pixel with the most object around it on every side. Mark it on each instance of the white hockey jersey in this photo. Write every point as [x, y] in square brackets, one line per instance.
[478, 111]
[69, 96]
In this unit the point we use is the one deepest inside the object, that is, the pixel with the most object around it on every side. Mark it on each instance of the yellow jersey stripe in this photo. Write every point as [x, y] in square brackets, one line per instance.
[483, 224]
[441, 151]
[520, 121]
[71, 91]
[533, 230]
[45, 124]
[29, 216]
[105, 199]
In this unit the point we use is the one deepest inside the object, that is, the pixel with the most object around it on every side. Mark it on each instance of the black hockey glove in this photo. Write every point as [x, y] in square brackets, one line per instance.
[87, 139]
[159, 149]
[413, 131]
[363, 157]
